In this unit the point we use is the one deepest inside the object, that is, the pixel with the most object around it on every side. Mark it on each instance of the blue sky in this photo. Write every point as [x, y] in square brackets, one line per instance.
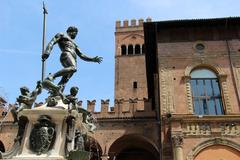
[21, 37]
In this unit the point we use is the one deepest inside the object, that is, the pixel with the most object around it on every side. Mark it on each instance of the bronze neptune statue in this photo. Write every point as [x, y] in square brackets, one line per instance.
[68, 57]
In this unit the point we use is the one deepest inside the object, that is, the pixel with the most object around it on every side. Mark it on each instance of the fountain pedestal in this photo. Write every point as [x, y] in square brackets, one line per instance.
[48, 133]
[58, 117]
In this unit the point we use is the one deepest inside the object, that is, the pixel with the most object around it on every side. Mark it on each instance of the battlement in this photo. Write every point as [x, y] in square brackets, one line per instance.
[131, 108]
[122, 109]
[127, 25]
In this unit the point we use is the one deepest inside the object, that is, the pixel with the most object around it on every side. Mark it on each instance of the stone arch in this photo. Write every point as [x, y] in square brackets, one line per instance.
[2, 147]
[92, 145]
[133, 147]
[215, 68]
[211, 142]
[222, 79]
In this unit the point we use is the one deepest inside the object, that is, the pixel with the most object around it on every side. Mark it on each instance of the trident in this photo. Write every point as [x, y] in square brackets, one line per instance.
[45, 12]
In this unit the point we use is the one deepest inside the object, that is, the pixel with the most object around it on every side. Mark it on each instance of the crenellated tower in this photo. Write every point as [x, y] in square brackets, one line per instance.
[130, 71]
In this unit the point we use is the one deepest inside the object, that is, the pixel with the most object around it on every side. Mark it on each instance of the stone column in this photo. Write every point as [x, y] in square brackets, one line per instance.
[104, 157]
[177, 141]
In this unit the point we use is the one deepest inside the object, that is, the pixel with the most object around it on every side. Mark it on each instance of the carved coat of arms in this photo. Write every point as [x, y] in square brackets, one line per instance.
[42, 136]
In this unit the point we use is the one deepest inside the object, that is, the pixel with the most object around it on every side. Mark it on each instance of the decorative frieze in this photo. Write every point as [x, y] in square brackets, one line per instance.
[211, 128]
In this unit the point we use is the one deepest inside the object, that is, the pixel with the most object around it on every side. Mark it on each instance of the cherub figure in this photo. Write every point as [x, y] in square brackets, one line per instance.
[71, 99]
[26, 99]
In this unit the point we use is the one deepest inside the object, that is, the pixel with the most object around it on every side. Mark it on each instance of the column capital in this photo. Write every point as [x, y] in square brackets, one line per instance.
[177, 140]
[104, 157]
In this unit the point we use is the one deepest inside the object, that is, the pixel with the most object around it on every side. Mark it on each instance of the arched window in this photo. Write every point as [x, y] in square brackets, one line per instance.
[207, 99]
[143, 49]
[130, 49]
[123, 49]
[137, 49]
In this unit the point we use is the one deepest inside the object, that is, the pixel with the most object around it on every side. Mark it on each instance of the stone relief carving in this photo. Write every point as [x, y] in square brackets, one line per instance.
[42, 135]
[166, 91]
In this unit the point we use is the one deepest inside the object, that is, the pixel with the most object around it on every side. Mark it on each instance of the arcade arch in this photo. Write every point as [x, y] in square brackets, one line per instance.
[218, 152]
[91, 145]
[130, 147]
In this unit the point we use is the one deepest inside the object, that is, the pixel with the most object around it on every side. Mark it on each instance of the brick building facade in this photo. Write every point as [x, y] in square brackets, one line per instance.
[176, 93]
[193, 78]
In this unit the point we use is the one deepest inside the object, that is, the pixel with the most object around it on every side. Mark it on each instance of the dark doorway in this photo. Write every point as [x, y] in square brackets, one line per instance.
[133, 147]
[135, 154]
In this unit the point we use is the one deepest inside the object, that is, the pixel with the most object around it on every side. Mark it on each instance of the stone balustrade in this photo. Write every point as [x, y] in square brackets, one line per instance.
[230, 128]
[197, 129]
[195, 126]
